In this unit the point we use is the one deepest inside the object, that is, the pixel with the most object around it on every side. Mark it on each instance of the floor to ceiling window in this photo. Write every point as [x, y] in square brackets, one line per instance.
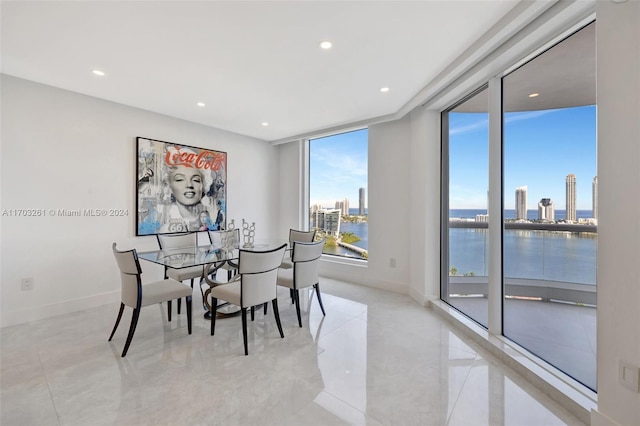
[549, 197]
[466, 141]
[338, 192]
[550, 235]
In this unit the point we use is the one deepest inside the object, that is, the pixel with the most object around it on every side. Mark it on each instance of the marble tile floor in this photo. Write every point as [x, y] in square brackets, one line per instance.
[377, 358]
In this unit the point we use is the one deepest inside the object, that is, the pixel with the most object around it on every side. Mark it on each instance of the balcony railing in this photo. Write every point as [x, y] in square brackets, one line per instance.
[545, 261]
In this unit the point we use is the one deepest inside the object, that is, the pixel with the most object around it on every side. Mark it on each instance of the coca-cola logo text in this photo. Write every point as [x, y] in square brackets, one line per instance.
[207, 160]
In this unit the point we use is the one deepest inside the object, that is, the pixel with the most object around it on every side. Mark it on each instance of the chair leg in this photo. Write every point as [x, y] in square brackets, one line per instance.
[180, 300]
[317, 287]
[265, 307]
[253, 313]
[214, 303]
[296, 296]
[132, 329]
[276, 313]
[244, 330]
[188, 303]
[293, 299]
[169, 309]
[117, 321]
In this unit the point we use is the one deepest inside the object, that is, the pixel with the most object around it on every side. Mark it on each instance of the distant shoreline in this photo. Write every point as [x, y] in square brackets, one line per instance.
[531, 226]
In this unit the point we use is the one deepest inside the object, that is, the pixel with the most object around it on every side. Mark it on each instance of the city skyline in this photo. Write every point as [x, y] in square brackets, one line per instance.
[540, 149]
[338, 168]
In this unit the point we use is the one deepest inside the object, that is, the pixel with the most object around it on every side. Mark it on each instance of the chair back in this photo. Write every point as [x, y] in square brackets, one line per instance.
[130, 271]
[169, 241]
[225, 238]
[259, 272]
[302, 236]
[306, 263]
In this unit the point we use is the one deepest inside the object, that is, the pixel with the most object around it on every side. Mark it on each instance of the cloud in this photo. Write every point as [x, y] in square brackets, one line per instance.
[483, 124]
[480, 124]
[518, 116]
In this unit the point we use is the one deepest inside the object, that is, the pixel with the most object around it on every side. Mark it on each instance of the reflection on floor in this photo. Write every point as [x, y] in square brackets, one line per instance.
[377, 358]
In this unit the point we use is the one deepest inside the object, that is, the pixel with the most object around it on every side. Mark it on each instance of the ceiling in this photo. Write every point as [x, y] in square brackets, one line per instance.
[563, 76]
[250, 62]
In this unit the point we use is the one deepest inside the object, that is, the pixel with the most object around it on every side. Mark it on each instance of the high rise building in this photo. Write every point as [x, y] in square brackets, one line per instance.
[594, 197]
[361, 202]
[546, 210]
[343, 206]
[571, 197]
[521, 203]
[328, 221]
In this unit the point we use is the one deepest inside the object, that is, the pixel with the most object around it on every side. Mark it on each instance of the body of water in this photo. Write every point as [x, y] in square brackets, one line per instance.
[545, 255]
[359, 229]
[511, 214]
[356, 211]
[555, 256]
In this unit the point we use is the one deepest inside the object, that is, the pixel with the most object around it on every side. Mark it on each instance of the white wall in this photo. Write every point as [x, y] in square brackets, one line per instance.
[404, 199]
[424, 238]
[291, 182]
[618, 92]
[389, 189]
[62, 150]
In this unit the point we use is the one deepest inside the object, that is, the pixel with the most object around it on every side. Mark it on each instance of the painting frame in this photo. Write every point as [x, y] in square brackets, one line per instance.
[179, 188]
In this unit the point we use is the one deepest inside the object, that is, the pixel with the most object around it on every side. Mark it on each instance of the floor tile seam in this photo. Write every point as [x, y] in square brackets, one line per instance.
[49, 391]
[352, 407]
[460, 392]
[343, 325]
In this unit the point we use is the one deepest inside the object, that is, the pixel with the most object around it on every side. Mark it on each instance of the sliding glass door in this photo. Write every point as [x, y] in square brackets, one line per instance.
[466, 143]
[546, 175]
[550, 189]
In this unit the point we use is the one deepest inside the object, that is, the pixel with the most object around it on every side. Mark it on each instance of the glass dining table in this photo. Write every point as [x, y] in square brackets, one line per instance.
[211, 257]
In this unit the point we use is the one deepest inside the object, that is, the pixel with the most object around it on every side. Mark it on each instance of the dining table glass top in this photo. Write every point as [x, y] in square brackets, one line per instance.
[185, 257]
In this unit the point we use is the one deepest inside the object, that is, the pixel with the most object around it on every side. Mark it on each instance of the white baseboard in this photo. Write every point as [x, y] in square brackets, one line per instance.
[600, 419]
[21, 316]
[419, 296]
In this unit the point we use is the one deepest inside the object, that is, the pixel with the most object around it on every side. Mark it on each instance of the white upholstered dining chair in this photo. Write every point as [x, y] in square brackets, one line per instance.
[137, 295]
[306, 260]
[254, 285]
[171, 241]
[229, 237]
[301, 236]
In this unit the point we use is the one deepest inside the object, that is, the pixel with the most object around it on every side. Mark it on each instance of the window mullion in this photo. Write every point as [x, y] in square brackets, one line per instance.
[495, 206]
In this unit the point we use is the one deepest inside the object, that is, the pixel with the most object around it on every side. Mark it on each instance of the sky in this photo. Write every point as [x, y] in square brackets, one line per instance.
[338, 168]
[540, 149]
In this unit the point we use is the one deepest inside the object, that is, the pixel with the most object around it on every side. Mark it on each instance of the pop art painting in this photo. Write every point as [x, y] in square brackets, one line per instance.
[179, 188]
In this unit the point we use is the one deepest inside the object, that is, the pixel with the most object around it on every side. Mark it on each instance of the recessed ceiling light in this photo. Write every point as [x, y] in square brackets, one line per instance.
[384, 89]
[201, 104]
[265, 123]
[326, 45]
[533, 95]
[98, 72]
